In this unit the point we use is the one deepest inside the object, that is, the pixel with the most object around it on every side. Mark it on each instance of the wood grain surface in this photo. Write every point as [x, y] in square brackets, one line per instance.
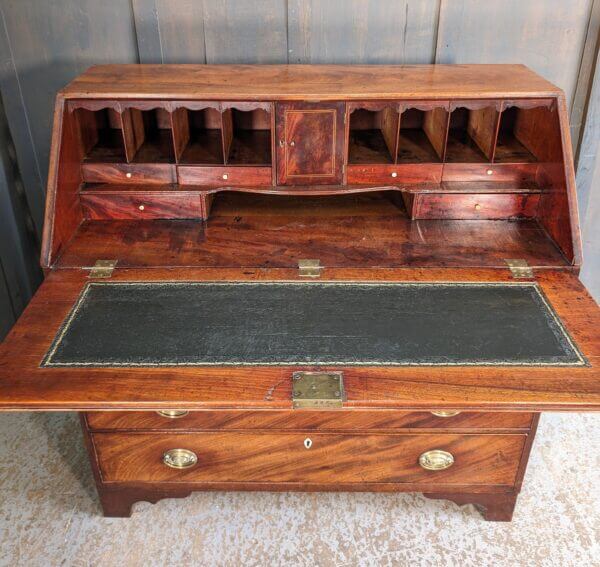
[309, 420]
[302, 82]
[24, 385]
[331, 458]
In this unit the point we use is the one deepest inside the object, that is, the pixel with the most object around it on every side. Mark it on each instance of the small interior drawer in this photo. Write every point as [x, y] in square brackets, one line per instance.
[225, 176]
[394, 174]
[306, 420]
[515, 172]
[472, 206]
[149, 173]
[103, 205]
[314, 457]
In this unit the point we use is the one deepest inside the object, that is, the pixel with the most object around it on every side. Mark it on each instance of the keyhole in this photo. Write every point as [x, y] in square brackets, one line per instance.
[308, 443]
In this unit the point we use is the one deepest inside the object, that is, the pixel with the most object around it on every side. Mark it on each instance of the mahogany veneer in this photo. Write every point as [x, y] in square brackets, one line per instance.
[238, 173]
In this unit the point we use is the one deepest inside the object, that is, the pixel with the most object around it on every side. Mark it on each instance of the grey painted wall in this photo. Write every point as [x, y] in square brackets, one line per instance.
[43, 45]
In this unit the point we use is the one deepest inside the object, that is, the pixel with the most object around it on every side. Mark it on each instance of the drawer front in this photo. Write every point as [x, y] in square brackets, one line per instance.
[142, 205]
[394, 174]
[306, 420]
[522, 172]
[316, 458]
[147, 173]
[225, 176]
[474, 206]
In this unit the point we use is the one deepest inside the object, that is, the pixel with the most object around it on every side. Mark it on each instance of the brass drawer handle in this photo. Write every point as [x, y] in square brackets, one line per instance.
[436, 460]
[172, 414]
[445, 413]
[180, 458]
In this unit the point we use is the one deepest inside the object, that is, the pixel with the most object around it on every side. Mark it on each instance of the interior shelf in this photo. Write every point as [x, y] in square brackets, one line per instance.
[471, 135]
[509, 147]
[201, 138]
[354, 231]
[372, 137]
[418, 134]
[101, 135]
[250, 137]
[152, 135]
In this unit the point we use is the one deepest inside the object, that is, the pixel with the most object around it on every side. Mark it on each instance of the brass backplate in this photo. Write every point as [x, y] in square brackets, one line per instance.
[318, 390]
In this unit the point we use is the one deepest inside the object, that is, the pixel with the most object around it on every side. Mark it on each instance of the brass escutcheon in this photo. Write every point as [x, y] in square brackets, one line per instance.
[172, 414]
[436, 460]
[180, 458]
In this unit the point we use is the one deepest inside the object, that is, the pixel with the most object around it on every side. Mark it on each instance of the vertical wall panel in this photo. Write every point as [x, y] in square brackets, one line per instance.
[588, 187]
[245, 31]
[362, 31]
[147, 31]
[546, 35]
[7, 314]
[52, 42]
[181, 24]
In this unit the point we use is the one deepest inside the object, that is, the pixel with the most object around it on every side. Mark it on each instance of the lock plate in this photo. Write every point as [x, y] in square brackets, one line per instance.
[318, 390]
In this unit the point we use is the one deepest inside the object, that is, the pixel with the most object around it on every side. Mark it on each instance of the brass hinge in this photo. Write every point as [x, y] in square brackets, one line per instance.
[102, 269]
[318, 390]
[519, 268]
[309, 268]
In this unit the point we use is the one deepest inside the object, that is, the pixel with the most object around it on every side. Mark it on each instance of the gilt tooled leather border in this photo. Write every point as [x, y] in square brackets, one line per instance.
[555, 324]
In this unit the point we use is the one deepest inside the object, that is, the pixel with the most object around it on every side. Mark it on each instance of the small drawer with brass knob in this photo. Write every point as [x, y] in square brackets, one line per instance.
[216, 176]
[457, 205]
[129, 173]
[394, 174]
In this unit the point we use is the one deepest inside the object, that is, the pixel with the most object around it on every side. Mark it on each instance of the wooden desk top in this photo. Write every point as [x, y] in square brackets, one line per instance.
[304, 82]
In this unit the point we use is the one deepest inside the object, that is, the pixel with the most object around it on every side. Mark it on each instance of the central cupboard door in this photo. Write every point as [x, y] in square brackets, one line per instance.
[310, 143]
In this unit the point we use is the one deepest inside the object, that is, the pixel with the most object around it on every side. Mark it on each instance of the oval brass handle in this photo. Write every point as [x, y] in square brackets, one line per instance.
[436, 460]
[445, 413]
[281, 143]
[172, 413]
[180, 458]
[308, 443]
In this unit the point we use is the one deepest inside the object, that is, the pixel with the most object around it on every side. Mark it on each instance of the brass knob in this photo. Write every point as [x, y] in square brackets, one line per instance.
[445, 413]
[128, 175]
[225, 176]
[308, 443]
[180, 458]
[490, 171]
[281, 143]
[436, 460]
[292, 143]
[477, 207]
[141, 207]
[172, 414]
[394, 174]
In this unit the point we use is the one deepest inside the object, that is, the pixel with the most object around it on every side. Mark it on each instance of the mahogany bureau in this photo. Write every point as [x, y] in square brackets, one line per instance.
[312, 278]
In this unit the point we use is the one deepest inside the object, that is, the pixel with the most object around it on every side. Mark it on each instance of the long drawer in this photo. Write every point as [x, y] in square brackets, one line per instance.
[306, 420]
[314, 458]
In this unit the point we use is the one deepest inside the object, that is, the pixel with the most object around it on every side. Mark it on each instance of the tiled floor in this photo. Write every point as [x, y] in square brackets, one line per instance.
[49, 514]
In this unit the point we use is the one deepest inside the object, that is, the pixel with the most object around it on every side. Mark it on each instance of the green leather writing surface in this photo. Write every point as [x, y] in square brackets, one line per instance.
[311, 323]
